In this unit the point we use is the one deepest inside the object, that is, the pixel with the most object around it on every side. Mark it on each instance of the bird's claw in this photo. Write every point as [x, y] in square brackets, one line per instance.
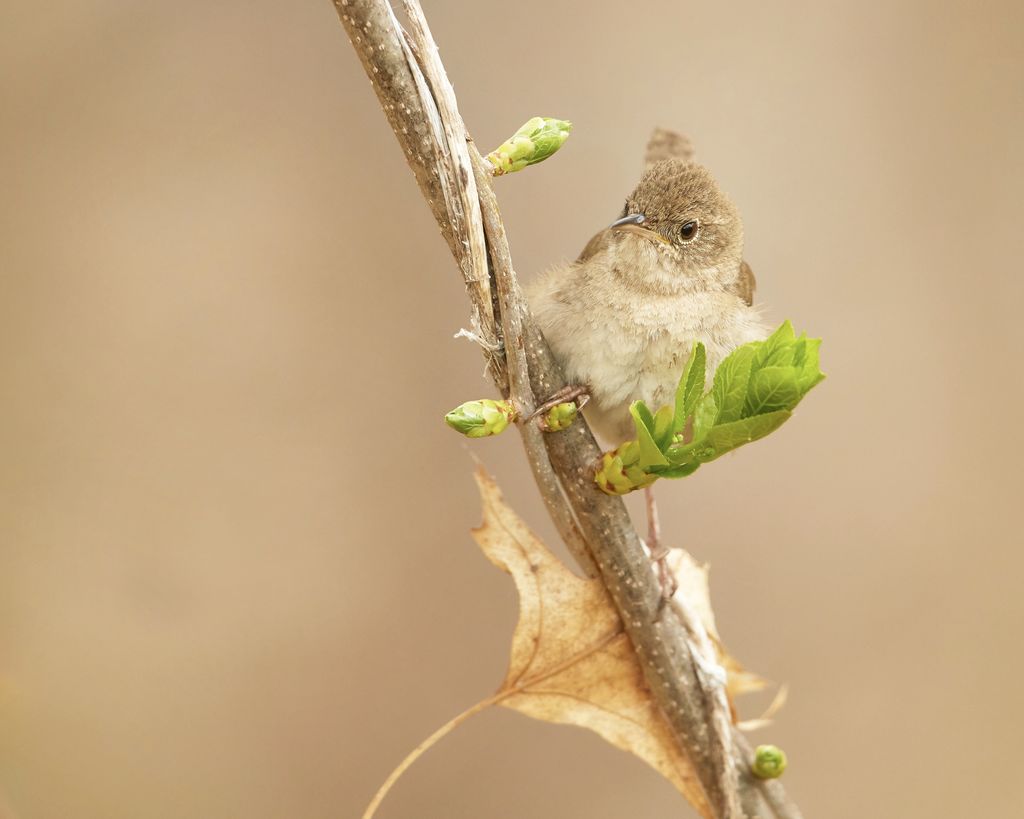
[666, 579]
[578, 394]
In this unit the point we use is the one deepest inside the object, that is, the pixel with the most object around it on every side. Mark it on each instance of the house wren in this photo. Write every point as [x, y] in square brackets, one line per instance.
[623, 317]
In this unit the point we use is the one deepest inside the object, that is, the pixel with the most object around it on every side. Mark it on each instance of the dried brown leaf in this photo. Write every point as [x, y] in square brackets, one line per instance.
[571, 662]
[766, 718]
[693, 586]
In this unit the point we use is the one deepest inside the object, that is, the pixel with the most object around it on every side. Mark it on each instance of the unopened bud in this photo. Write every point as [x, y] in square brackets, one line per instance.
[479, 419]
[769, 762]
[620, 473]
[538, 139]
[560, 416]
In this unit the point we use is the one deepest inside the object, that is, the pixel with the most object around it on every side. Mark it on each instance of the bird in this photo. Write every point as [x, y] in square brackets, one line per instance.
[669, 272]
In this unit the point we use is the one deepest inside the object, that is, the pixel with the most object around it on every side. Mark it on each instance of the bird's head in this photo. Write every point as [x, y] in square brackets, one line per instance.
[679, 218]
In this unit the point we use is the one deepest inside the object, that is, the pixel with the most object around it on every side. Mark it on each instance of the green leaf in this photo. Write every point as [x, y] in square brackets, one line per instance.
[754, 391]
[691, 386]
[677, 471]
[773, 388]
[730, 387]
[726, 437]
[664, 427]
[650, 454]
[777, 349]
[808, 370]
[642, 417]
[703, 423]
[800, 350]
[704, 417]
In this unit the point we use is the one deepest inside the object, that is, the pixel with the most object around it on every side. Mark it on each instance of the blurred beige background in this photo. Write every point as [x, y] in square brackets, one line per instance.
[236, 581]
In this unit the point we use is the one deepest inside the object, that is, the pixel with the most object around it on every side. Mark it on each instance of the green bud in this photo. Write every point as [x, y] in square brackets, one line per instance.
[561, 416]
[769, 762]
[479, 419]
[620, 472]
[538, 139]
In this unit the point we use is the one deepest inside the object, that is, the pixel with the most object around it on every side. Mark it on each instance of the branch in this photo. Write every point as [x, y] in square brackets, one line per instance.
[413, 113]
[510, 300]
[412, 86]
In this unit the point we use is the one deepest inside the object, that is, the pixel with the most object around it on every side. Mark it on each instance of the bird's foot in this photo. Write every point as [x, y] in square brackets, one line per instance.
[666, 579]
[575, 394]
[659, 553]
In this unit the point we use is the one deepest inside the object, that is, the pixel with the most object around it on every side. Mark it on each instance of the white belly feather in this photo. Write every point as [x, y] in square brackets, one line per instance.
[637, 348]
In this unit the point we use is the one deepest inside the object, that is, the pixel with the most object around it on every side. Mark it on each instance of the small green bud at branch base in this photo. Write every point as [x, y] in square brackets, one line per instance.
[769, 762]
[560, 416]
[480, 419]
[619, 472]
[538, 139]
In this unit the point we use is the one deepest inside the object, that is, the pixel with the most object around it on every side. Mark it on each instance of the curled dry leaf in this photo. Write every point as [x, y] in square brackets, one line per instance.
[693, 587]
[571, 662]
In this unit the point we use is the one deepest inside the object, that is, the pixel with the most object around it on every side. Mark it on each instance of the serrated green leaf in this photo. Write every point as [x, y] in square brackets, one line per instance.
[703, 422]
[629, 452]
[691, 386]
[676, 471]
[663, 427]
[642, 416]
[800, 350]
[773, 388]
[809, 372]
[704, 416]
[730, 387]
[754, 392]
[783, 334]
[650, 454]
[777, 357]
[777, 349]
[725, 437]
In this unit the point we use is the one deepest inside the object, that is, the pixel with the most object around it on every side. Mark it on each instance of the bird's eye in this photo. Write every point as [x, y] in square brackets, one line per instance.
[688, 231]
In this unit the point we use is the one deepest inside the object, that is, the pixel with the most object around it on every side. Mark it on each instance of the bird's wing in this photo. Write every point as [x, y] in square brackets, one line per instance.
[745, 284]
[666, 144]
[595, 245]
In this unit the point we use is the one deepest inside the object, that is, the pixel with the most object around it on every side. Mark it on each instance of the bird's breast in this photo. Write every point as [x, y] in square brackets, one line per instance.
[628, 345]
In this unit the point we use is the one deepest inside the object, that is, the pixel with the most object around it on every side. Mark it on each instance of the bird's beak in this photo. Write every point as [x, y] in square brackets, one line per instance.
[633, 223]
[631, 219]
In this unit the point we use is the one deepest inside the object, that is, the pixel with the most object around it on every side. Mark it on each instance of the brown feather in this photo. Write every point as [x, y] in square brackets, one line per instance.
[746, 284]
[666, 144]
[595, 245]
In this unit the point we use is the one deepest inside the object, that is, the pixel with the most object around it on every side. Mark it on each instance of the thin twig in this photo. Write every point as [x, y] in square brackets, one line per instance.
[760, 797]
[416, 121]
[475, 187]
[453, 148]
[713, 683]
[511, 303]
[661, 642]
[414, 91]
